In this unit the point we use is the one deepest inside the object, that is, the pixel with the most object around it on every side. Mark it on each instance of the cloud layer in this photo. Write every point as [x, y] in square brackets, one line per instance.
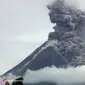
[56, 75]
[61, 76]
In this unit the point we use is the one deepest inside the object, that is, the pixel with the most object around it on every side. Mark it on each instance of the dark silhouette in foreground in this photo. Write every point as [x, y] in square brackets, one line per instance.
[18, 81]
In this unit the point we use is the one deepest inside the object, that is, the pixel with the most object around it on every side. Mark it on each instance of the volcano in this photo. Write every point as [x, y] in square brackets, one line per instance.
[65, 46]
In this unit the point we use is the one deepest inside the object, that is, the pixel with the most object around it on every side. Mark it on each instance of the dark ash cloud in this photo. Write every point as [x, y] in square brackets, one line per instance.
[70, 23]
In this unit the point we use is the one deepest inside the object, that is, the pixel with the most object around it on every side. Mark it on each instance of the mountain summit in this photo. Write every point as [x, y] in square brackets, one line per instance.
[65, 46]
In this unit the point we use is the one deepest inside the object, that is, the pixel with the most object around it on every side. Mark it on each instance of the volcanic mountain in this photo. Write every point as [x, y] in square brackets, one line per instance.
[65, 46]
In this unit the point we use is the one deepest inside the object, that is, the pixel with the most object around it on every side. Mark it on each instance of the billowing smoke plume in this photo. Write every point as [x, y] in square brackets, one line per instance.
[70, 23]
[56, 76]
[60, 76]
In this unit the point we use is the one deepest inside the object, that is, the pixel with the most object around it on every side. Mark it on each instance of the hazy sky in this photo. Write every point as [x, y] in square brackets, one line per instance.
[24, 26]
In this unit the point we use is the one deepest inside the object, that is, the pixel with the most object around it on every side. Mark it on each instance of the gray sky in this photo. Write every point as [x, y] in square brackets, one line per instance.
[24, 26]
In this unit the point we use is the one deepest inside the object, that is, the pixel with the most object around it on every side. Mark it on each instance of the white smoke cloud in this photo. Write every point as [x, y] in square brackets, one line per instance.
[67, 76]
[56, 75]
[11, 76]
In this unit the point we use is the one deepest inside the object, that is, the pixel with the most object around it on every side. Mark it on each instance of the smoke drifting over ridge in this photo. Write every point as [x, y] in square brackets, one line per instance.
[60, 76]
[70, 25]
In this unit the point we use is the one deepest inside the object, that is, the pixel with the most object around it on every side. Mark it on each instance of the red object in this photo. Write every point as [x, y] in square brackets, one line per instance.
[5, 80]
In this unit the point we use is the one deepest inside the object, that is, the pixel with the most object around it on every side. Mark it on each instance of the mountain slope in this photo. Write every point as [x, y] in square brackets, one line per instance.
[42, 57]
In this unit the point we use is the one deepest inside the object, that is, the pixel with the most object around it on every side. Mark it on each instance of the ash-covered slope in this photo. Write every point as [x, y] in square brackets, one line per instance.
[64, 47]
